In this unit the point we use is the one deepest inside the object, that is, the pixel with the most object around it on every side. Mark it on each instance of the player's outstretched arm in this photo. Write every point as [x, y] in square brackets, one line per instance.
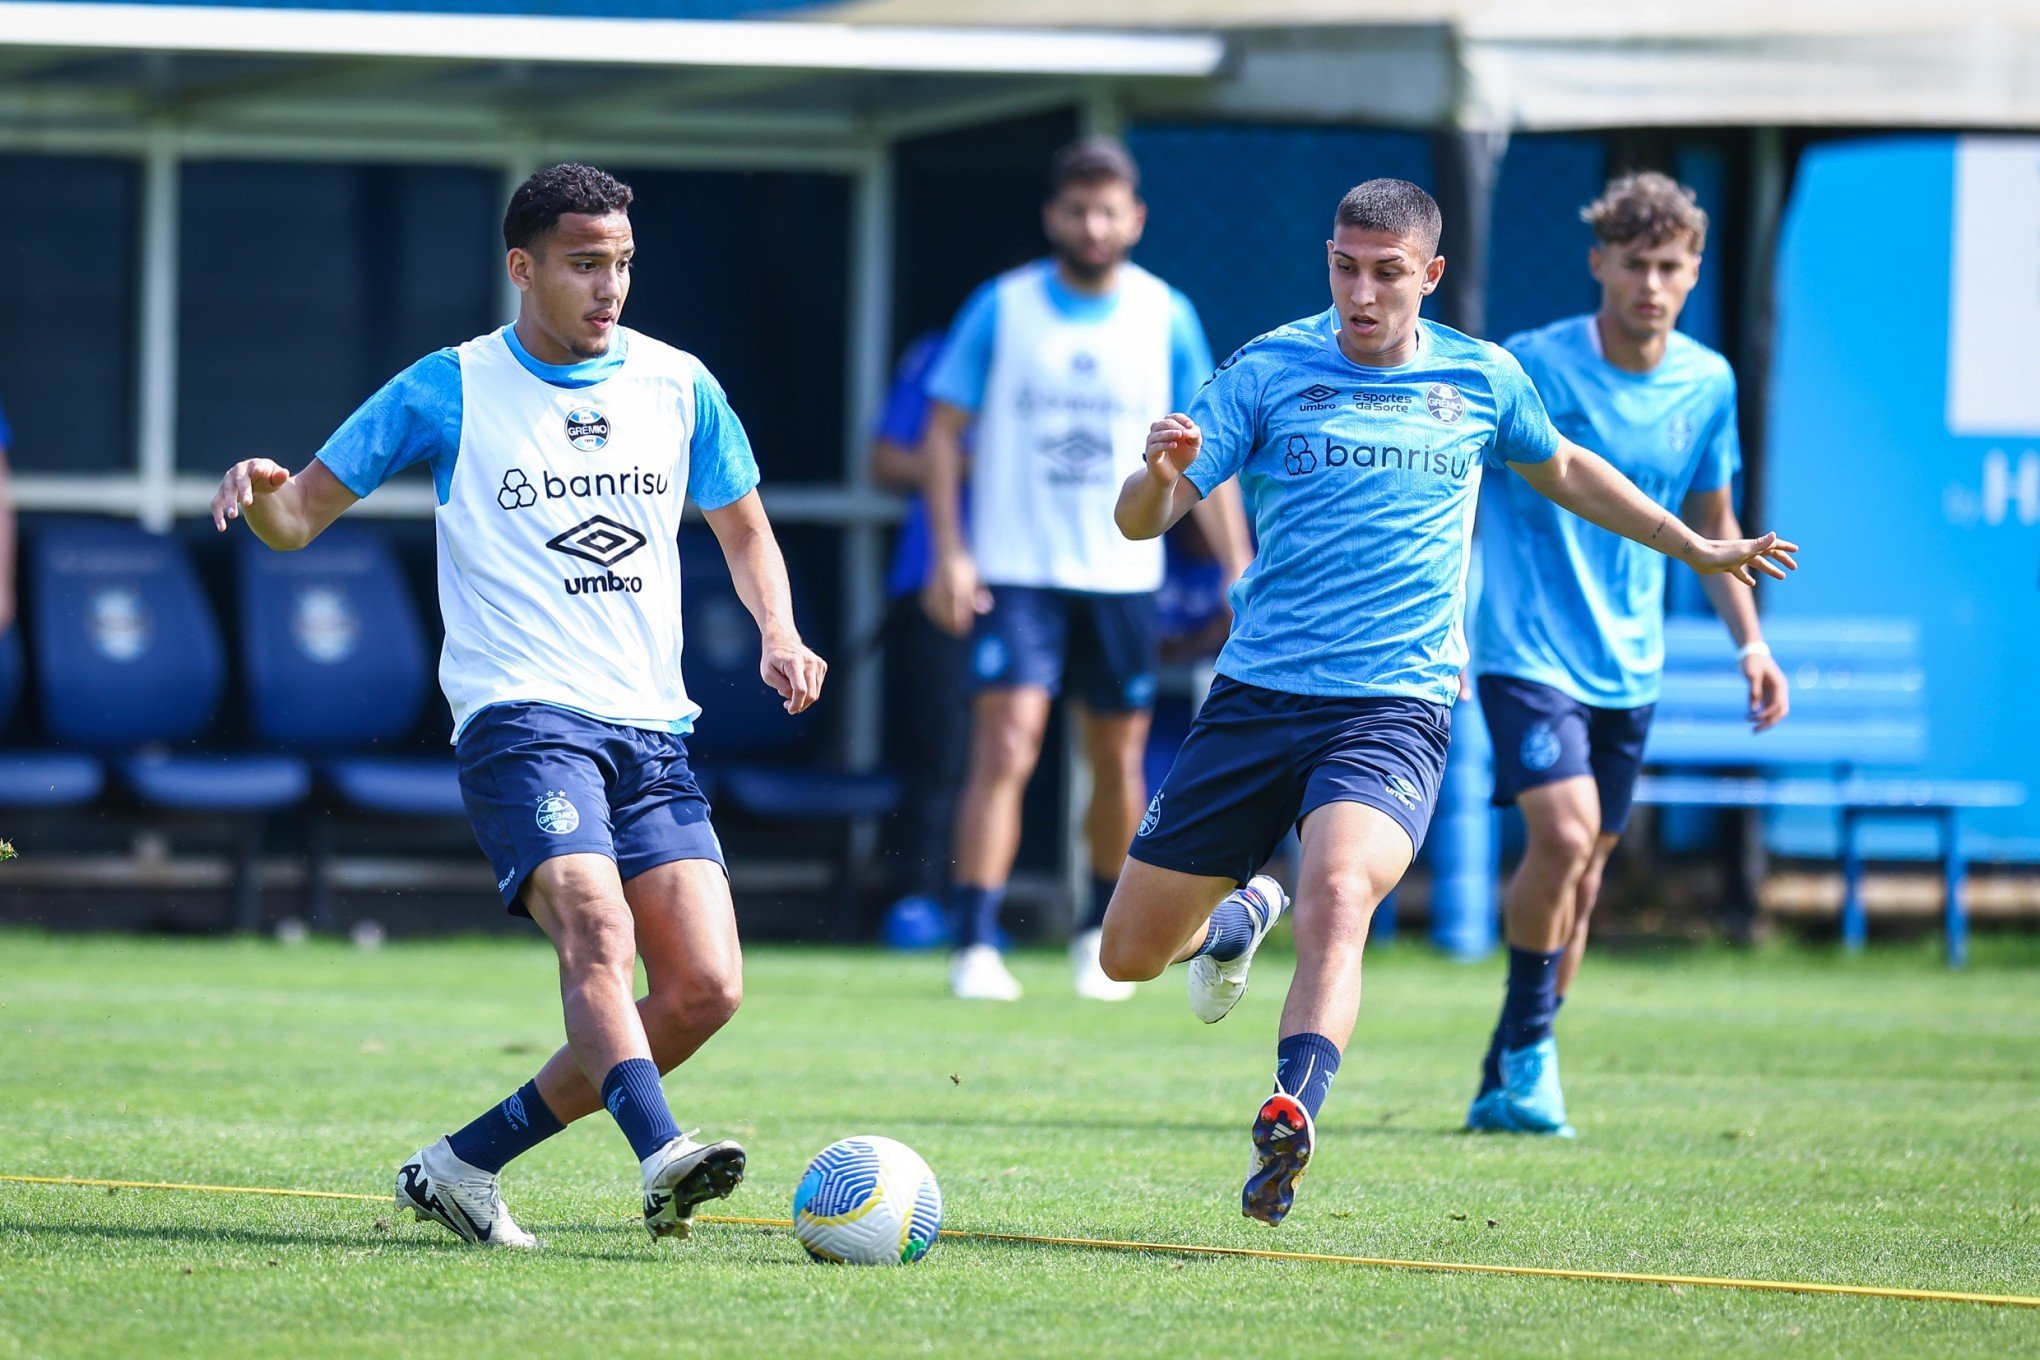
[1583, 482]
[759, 571]
[285, 512]
[1712, 514]
[1159, 494]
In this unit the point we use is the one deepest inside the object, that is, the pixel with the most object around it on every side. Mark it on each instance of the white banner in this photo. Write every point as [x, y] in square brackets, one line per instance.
[1994, 298]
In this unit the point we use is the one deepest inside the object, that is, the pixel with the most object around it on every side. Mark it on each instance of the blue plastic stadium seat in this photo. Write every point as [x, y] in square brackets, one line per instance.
[32, 778]
[337, 663]
[217, 782]
[746, 746]
[404, 786]
[128, 655]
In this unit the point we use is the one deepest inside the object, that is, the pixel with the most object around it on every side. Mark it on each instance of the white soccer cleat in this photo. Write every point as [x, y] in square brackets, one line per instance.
[438, 1186]
[685, 1173]
[978, 973]
[1215, 988]
[1085, 974]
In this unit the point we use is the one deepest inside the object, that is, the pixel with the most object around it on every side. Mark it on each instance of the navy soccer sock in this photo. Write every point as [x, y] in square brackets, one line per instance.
[1528, 1008]
[507, 1131]
[1230, 932]
[976, 913]
[1101, 898]
[635, 1100]
[1304, 1067]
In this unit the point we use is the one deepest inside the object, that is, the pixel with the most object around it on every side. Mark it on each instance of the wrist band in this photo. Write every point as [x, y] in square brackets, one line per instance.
[1750, 649]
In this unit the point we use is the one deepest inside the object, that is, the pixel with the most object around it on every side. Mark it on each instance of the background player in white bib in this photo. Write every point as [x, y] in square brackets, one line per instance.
[1570, 639]
[1060, 364]
[562, 450]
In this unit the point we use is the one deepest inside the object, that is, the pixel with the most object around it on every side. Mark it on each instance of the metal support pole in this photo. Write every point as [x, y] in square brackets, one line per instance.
[869, 362]
[156, 366]
[1954, 875]
[1855, 925]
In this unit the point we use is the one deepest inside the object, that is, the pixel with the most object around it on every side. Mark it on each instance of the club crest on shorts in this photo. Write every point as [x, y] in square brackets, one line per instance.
[587, 428]
[557, 814]
[1153, 818]
[1540, 748]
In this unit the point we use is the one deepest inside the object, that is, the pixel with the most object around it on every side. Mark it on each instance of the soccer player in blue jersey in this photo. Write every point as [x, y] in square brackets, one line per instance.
[562, 449]
[1055, 370]
[1359, 436]
[1569, 639]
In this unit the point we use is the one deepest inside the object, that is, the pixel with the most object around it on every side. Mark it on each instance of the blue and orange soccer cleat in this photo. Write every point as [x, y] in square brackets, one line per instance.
[1283, 1138]
[1529, 1100]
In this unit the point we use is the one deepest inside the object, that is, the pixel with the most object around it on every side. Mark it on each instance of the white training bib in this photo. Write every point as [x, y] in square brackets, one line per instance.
[559, 558]
[1064, 422]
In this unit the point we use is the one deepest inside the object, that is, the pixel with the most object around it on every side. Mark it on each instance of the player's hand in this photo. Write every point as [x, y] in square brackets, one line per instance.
[245, 480]
[1173, 443]
[1743, 558]
[954, 596]
[1770, 695]
[792, 668]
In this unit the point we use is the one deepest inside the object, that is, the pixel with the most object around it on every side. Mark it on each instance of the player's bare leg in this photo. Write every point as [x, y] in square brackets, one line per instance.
[1545, 908]
[1353, 856]
[1005, 745]
[1115, 747]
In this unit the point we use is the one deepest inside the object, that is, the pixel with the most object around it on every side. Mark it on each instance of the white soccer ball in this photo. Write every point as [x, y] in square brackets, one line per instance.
[867, 1201]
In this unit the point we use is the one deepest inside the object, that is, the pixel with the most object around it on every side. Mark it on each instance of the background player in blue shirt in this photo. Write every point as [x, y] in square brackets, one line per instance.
[1359, 436]
[1569, 641]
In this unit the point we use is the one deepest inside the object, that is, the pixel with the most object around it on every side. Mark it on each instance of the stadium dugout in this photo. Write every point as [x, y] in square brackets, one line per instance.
[150, 108]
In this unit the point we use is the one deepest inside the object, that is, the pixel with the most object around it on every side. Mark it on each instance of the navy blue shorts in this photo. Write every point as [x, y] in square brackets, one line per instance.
[541, 781]
[1104, 646]
[1258, 761]
[1543, 735]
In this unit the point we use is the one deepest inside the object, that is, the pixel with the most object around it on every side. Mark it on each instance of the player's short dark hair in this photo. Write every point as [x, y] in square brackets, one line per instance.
[1649, 208]
[1395, 206]
[1094, 160]
[541, 201]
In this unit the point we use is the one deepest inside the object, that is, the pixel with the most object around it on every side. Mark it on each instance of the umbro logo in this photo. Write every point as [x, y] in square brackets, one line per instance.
[600, 540]
[1403, 791]
[1078, 454]
[1317, 397]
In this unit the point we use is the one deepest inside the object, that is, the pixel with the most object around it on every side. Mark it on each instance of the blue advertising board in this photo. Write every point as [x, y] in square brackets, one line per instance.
[1905, 442]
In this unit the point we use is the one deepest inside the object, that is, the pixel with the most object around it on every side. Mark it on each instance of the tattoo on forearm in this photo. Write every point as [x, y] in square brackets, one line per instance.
[1662, 521]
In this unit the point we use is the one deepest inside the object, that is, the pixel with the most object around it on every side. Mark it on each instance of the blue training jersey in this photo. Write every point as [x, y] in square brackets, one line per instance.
[1361, 483]
[1566, 603]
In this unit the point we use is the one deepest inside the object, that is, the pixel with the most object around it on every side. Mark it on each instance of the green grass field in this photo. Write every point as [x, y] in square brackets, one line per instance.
[1787, 1114]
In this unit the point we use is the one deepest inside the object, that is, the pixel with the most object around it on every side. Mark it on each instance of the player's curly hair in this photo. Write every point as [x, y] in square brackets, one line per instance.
[1395, 206]
[1647, 207]
[539, 203]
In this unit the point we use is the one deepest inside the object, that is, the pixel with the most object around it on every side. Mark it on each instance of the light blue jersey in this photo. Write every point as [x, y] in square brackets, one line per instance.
[1361, 483]
[416, 418]
[1566, 603]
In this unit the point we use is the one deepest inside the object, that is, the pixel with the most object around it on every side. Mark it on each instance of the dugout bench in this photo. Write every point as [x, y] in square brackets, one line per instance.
[1858, 702]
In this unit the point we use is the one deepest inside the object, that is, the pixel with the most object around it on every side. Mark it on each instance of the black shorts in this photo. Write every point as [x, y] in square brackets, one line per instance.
[1543, 735]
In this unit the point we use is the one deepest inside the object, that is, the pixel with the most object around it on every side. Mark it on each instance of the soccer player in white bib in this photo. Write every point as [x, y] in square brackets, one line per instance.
[562, 449]
[1360, 437]
[1061, 364]
[1569, 641]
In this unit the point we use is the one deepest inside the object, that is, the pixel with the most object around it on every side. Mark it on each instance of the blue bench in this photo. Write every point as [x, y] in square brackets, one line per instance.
[1858, 718]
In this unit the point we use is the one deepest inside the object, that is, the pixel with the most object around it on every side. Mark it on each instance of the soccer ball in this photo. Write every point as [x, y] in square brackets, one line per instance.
[867, 1201]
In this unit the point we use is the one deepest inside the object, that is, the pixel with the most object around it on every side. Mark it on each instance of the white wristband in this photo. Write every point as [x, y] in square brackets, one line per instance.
[1750, 649]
